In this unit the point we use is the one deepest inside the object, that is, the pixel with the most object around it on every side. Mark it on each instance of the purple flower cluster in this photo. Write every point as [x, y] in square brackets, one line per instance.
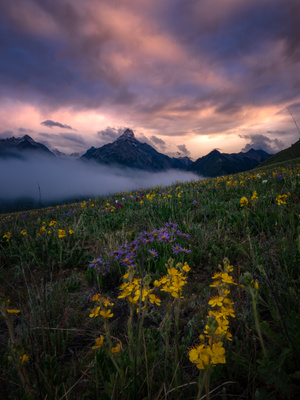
[127, 252]
[102, 267]
[178, 249]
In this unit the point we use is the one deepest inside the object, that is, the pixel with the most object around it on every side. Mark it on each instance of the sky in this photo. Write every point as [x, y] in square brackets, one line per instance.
[187, 76]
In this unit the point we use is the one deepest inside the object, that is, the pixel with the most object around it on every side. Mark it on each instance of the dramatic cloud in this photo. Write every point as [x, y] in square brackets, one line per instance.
[159, 143]
[144, 139]
[262, 142]
[63, 141]
[50, 124]
[193, 72]
[110, 134]
[184, 150]
[25, 131]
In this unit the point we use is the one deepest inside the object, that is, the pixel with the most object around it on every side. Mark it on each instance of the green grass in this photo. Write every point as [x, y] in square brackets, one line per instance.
[291, 153]
[46, 275]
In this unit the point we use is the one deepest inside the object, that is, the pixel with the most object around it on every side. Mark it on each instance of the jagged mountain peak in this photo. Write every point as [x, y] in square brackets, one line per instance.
[20, 146]
[130, 152]
[127, 135]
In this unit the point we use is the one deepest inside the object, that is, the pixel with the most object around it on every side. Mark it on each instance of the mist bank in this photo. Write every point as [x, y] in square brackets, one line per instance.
[41, 181]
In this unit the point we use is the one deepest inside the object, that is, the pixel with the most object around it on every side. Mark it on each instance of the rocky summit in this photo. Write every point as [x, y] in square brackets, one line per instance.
[22, 146]
[217, 164]
[127, 151]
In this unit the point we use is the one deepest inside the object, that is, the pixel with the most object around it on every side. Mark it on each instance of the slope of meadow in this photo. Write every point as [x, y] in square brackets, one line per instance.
[182, 292]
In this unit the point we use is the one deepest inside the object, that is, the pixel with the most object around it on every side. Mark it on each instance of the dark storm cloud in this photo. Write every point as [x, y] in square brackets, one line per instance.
[25, 130]
[263, 142]
[144, 139]
[156, 64]
[159, 142]
[110, 134]
[50, 124]
[64, 141]
[184, 150]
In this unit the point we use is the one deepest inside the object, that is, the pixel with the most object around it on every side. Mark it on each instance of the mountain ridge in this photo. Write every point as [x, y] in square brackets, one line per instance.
[217, 164]
[19, 147]
[127, 151]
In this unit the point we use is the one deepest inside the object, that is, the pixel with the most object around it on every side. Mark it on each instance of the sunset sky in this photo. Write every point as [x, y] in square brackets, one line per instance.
[186, 76]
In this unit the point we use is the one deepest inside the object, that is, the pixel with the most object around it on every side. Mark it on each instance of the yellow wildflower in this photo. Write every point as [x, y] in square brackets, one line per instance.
[106, 314]
[24, 359]
[99, 343]
[244, 201]
[216, 301]
[7, 236]
[13, 311]
[61, 233]
[116, 349]
[95, 312]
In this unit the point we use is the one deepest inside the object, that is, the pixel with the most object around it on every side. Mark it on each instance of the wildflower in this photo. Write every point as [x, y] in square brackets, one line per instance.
[42, 231]
[254, 196]
[95, 262]
[23, 232]
[7, 236]
[13, 311]
[94, 312]
[281, 199]
[71, 231]
[116, 349]
[186, 268]
[176, 248]
[244, 201]
[153, 253]
[106, 314]
[52, 223]
[184, 250]
[154, 299]
[99, 343]
[24, 359]
[227, 279]
[216, 301]
[61, 233]
[217, 353]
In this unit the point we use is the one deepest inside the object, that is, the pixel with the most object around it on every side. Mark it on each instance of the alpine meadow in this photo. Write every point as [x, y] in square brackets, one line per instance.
[189, 291]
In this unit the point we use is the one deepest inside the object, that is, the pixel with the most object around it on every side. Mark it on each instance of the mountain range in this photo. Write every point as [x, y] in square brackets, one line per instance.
[127, 151]
[218, 164]
[19, 147]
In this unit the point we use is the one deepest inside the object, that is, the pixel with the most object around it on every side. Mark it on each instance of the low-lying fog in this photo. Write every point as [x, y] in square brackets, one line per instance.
[65, 179]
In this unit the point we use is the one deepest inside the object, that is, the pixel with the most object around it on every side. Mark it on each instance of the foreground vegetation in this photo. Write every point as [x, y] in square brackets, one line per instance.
[183, 292]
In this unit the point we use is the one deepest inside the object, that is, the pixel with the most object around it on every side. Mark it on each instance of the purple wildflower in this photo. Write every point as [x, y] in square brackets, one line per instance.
[176, 248]
[95, 262]
[184, 235]
[153, 253]
[163, 237]
[171, 225]
[183, 250]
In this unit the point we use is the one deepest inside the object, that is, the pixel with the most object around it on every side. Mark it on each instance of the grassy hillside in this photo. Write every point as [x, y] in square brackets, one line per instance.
[183, 292]
[285, 155]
